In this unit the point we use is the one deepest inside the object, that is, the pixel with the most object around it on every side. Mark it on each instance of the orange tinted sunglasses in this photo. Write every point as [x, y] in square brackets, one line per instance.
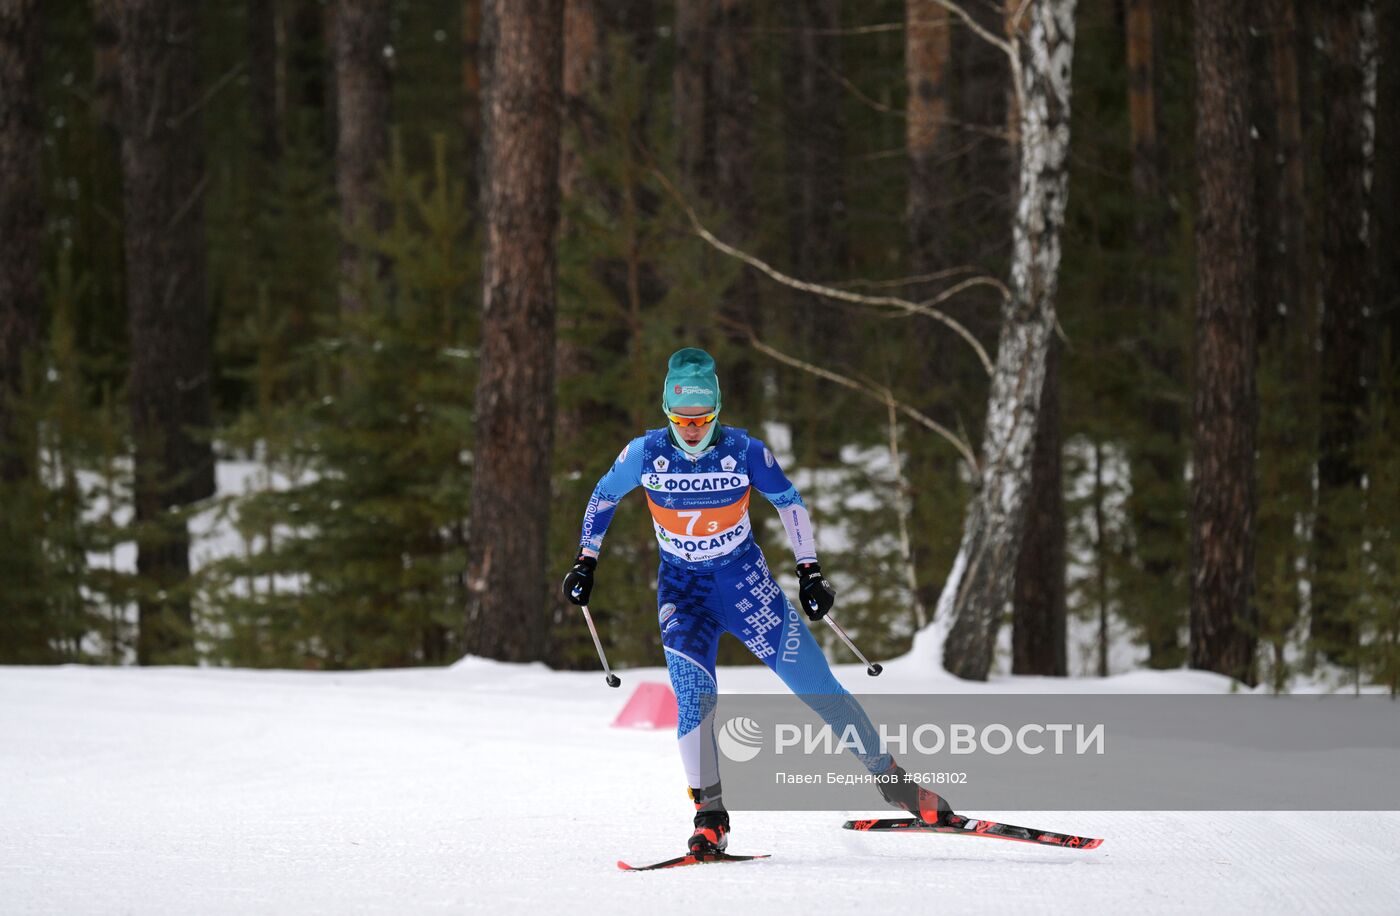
[701, 420]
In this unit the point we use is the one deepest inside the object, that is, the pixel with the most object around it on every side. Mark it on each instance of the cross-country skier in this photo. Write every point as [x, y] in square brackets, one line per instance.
[698, 476]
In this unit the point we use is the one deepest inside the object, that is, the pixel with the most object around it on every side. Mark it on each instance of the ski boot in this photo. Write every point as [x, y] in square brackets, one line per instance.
[711, 834]
[929, 807]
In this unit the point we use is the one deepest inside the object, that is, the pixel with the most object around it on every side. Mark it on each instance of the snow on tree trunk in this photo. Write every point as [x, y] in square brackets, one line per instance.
[978, 594]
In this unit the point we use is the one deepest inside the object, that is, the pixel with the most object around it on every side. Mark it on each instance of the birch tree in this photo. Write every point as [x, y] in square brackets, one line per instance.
[978, 593]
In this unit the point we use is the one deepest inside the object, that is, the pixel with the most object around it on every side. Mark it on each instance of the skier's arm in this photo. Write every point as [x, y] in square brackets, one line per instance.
[623, 477]
[768, 478]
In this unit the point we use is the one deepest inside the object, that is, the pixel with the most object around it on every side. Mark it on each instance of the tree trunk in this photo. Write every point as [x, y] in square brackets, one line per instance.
[362, 136]
[582, 132]
[1038, 621]
[978, 593]
[168, 315]
[714, 117]
[1385, 188]
[21, 224]
[814, 144]
[25, 630]
[310, 81]
[930, 141]
[978, 203]
[471, 95]
[1100, 564]
[106, 65]
[927, 57]
[262, 79]
[583, 63]
[1222, 548]
[1286, 441]
[931, 199]
[1346, 295]
[509, 601]
[691, 91]
[1279, 177]
[1158, 495]
[733, 187]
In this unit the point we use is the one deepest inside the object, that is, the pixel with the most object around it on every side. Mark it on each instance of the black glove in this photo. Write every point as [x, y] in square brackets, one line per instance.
[578, 584]
[815, 593]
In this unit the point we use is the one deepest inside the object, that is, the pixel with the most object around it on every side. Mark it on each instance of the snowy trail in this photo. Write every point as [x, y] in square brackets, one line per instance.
[499, 787]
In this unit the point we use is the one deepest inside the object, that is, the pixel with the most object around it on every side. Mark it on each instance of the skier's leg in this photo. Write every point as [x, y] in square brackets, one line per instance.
[690, 636]
[770, 626]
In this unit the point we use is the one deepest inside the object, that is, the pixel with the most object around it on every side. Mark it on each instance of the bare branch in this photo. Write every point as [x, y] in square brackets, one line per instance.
[830, 292]
[873, 29]
[1010, 47]
[860, 95]
[907, 281]
[977, 28]
[874, 392]
[214, 89]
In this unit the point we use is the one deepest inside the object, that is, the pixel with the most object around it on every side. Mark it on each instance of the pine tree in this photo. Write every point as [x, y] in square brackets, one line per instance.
[515, 386]
[1223, 629]
[355, 542]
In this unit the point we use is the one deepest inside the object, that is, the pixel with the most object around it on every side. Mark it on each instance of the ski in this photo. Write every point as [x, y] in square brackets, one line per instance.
[679, 861]
[971, 826]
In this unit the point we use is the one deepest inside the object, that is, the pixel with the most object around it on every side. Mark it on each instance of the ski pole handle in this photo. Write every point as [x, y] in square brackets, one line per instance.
[872, 670]
[613, 679]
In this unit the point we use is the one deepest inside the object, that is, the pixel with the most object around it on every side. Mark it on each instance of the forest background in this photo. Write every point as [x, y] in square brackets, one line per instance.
[255, 234]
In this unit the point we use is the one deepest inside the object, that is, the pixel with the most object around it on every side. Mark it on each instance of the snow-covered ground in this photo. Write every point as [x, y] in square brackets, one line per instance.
[502, 787]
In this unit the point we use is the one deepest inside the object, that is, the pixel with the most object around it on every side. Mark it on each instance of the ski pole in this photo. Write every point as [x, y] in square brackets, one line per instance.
[613, 679]
[872, 670]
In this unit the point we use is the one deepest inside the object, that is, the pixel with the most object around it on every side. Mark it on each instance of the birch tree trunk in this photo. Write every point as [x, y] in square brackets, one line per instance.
[1222, 518]
[509, 589]
[978, 593]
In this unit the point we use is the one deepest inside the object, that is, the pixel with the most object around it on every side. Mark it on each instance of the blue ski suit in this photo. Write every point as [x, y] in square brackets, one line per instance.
[714, 578]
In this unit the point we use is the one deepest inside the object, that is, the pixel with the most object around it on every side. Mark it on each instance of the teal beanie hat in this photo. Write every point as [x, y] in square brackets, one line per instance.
[691, 381]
